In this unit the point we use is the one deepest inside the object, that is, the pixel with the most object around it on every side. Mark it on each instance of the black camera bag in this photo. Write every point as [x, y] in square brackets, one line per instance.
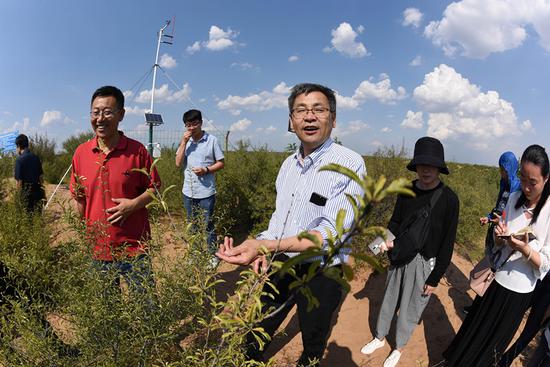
[412, 233]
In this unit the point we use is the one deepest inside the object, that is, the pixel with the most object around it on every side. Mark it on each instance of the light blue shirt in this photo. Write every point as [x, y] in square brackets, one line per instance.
[202, 153]
[299, 182]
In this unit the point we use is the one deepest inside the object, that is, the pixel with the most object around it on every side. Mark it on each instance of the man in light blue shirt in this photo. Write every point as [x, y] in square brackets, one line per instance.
[200, 156]
[307, 200]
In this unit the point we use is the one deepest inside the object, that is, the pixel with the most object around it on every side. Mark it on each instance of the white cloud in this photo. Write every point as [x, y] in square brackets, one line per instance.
[343, 41]
[458, 109]
[357, 125]
[413, 120]
[380, 91]
[244, 66]
[526, 126]
[351, 127]
[136, 110]
[167, 62]
[266, 130]
[417, 61]
[22, 127]
[195, 47]
[208, 125]
[412, 17]
[293, 58]
[478, 28]
[346, 103]
[241, 125]
[385, 129]
[163, 94]
[218, 40]
[52, 116]
[127, 94]
[263, 101]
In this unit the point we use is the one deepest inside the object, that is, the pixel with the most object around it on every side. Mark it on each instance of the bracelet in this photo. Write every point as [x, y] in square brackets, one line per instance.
[207, 169]
[529, 254]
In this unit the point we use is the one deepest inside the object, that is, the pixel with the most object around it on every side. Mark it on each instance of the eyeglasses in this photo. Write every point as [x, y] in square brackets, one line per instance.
[192, 123]
[105, 113]
[318, 111]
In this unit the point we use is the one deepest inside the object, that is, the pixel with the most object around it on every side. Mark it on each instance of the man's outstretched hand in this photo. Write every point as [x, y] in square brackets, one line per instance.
[244, 254]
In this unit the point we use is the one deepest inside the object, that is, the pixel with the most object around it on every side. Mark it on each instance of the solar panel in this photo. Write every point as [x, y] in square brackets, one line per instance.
[153, 119]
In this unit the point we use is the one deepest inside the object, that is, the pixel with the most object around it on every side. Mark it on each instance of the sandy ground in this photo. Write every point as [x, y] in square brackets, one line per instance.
[353, 325]
[356, 319]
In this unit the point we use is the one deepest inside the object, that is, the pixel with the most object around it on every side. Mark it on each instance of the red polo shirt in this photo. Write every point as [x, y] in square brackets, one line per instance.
[98, 177]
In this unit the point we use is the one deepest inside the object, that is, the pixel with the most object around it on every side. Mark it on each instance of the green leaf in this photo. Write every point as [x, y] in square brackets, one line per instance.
[400, 186]
[308, 236]
[306, 255]
[168, 189]
[340, 217]
[348, 272]
[141, 170]
[154, 164]
[343, 170]
[378, 188]
[353, 203]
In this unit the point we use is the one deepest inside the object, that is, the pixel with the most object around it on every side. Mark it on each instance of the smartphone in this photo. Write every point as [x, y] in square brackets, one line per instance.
[518, 236]
[375, 245]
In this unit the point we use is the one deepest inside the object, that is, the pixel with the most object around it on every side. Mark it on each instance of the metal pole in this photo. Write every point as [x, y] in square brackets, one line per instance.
[161, 31]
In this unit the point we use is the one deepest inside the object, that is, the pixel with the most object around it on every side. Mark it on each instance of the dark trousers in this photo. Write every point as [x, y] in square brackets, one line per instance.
[541, 357]
[32, 197]
[315, 325]
[539, 305]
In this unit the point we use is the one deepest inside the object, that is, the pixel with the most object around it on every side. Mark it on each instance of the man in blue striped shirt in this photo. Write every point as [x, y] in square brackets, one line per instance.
[307, 200]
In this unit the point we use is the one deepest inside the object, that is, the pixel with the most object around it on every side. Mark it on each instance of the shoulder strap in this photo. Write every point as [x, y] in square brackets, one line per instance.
[435, 197]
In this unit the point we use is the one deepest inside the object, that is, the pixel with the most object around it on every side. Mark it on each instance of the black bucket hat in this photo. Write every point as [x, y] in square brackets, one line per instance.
[428, 151]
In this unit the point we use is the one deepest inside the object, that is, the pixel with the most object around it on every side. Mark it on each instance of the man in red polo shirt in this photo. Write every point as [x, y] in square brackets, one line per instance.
[110, 196]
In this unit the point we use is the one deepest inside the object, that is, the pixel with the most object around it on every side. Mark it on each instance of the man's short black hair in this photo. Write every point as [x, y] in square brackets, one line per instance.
[110, 91]
[307, 88]
[192, 115]
[22, 141]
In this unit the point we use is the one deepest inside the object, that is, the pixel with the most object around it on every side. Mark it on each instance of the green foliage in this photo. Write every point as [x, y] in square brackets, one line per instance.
[70, 145]
[7, 163]
[246, 186]
[184, 319]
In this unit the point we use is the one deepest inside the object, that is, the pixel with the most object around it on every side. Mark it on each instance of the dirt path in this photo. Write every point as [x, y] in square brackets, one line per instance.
[357, 317]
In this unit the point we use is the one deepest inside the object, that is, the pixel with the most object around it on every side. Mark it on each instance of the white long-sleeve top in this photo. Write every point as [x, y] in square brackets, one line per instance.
[517, 274]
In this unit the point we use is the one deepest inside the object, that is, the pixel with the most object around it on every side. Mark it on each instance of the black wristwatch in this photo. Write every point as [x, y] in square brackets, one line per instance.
[207, 169]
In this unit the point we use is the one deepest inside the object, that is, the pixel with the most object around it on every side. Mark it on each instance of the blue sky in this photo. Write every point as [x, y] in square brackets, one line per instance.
[472, 73]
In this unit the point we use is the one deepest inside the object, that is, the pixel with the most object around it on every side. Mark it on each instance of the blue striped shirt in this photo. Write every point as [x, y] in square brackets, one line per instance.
[299, 182]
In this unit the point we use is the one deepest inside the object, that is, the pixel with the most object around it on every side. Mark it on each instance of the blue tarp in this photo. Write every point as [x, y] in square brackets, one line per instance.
[7, 142]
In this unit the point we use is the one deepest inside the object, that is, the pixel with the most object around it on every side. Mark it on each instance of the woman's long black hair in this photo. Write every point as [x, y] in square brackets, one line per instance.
[537, 155]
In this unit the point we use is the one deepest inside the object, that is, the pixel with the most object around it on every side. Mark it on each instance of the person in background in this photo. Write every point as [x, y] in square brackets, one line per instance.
[307, 200]
[200, 155]
[417, 260]
[29, 176]
[494, 318]
[509, 183]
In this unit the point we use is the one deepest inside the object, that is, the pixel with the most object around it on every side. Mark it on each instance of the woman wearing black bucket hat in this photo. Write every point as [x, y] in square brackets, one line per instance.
[425, 228]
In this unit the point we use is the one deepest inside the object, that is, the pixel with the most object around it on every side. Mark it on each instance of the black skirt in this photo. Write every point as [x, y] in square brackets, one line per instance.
[488, 328]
